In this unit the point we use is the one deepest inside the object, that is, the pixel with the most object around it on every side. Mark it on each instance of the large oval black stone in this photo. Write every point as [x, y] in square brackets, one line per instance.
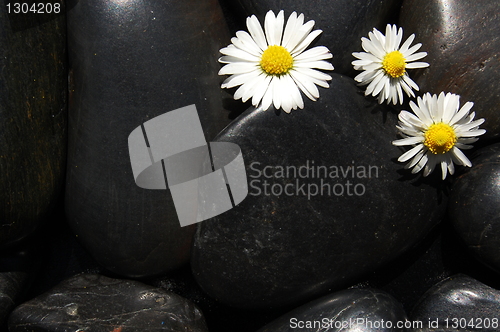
[33, 97]
[130, 62]
[462, 42]
[311, 232]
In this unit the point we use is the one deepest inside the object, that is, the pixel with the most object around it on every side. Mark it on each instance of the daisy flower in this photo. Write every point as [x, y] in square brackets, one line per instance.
[271, 65]
[384, 64]
[437, 131]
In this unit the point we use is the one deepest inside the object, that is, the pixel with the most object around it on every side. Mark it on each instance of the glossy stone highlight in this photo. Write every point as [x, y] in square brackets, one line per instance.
[459, 303]
[96, 303]
[352, 310]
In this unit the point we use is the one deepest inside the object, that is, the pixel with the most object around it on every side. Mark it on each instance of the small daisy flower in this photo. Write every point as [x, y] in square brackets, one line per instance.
[271, 65]
[438, 131]
[384, 64]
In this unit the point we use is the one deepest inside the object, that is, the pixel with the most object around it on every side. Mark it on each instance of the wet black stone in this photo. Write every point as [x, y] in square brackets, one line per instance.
[462, 42]
[474, 206]
[271, 250]
[343, 22]
[356, 310]
[474, 305]
[129, 63]
[96, 303]
[33, 103]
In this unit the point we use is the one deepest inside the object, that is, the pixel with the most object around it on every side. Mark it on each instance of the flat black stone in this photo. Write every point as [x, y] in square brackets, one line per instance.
[343, 22]
[355, 310]
[131, 62]
[33, 125]
[474, 206]
[93, 302]
[276, 250]
[462, 42]
[459, 303]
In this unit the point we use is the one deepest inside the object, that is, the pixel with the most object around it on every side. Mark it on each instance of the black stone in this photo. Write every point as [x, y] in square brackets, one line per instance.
[355, 310]
[272, 251]
[33, 102]
[96, 303]
[459, 303]
[462, 42]
[474, 206]
[11, 286]
[343, 22]
[130, 62]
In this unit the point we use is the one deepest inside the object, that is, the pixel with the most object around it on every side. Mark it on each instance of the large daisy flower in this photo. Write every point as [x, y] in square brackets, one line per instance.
[438, 131]
[384, 64]
[271, 67]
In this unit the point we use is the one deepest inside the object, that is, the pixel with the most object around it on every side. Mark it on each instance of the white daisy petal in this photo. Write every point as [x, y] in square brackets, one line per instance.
[236, 80]
[261, 90]
[415, 57]
[461, 157]
[315, 53]
[315, 64]
[240, 54]
[301, 32]
[270, 28]
[406, 45]
[237, 68]
[290, 25]
[414, 65]
[278, 31]
[256, 32]
[416, 159]
[305, 42]
[305, 84]
[248, 44]
[267, 99]
[464, 111]
[410, 153]
[413, 49]
[408, 141]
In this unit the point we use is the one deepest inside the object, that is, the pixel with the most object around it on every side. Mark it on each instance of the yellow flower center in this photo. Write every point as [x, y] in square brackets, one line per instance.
[394, 64]
[440, 138]
[276, 60]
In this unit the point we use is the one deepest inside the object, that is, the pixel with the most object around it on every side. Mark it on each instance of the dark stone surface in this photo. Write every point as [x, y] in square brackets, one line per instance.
[462, 41]
[132, 61]
[33, 97]
[96, 303]
[343, 22]
[460, 297]
[11, 286]
[441, 255]
[474, 206]
[352, 310]
[270, 250]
